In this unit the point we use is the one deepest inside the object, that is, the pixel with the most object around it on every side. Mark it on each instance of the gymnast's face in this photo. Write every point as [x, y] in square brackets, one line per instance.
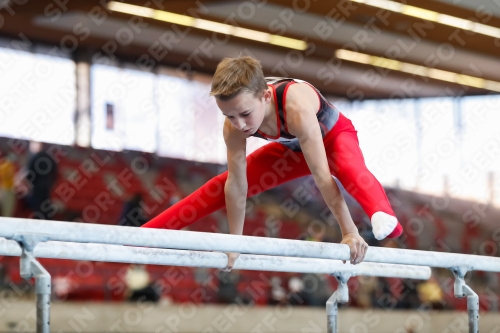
[246, 111]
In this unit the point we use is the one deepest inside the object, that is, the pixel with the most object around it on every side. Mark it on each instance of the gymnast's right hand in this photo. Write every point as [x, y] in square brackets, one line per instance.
[231, 259]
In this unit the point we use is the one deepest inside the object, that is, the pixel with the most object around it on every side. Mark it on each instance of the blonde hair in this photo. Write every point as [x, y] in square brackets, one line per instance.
[234, 75]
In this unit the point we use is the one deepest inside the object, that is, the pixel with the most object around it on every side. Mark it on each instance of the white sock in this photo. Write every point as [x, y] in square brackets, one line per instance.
[383, 224]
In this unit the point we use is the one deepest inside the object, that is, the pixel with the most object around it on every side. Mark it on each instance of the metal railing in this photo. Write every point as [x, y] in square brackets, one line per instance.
[30, 239]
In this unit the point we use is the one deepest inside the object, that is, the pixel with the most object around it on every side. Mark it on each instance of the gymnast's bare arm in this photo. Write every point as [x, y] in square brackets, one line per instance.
[302, 104]
[236, 186]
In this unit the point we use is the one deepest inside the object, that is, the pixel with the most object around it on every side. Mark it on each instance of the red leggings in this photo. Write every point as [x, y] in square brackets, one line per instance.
[274, 164]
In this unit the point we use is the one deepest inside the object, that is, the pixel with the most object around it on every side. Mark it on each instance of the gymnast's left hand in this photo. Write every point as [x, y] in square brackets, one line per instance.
[231, 259]
[357, 245]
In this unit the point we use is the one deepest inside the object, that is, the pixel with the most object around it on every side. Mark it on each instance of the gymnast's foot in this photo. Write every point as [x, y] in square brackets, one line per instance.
[385, 225]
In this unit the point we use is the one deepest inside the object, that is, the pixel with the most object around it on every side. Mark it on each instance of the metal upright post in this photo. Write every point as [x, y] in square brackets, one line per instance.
[463, 290]
[341, 295]
[29, 268]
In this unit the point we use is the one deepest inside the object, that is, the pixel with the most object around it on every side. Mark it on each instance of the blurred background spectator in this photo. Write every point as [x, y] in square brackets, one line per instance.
[430, 293]
[7, 175]
[278, 293]
[296, 295]
[227, 286]
[42, 172]
[132, 214]
[139, 286]
[316, 289]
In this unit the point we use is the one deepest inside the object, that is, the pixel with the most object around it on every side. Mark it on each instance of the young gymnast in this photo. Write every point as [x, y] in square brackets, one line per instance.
[310, 136]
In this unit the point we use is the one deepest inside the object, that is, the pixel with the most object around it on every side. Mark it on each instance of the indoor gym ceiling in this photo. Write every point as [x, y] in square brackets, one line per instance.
[360, 27]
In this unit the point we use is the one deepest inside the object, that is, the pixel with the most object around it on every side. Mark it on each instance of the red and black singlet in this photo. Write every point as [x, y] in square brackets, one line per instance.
[327, 114]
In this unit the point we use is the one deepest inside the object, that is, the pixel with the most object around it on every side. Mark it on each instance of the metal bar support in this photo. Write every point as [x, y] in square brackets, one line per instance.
[341, 295]
[29, 268]
[463, 290]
